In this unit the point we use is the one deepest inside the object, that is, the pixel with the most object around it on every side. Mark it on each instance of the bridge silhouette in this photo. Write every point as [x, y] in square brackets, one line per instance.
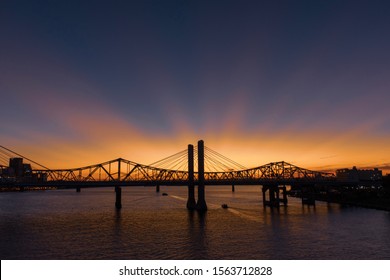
[211, 167]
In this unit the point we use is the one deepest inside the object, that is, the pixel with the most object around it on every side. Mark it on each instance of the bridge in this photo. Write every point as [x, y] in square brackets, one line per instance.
[211, 167]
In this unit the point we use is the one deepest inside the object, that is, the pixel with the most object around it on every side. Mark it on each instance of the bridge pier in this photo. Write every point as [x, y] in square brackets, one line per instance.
[284, 194]
[118, 198]
[201, 204]
[78, 189]
[233, 188]
[273, 200]
[157, 188]
[274, 195]
[191, 203]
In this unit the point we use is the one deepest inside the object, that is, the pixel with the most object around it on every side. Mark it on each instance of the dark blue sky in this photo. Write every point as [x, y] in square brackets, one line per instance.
[286, 78]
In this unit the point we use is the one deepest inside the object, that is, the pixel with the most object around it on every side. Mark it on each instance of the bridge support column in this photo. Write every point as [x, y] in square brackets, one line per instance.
[157, 188]
[273, 191]
[78, 189]
[118, 198]
[191, 203]
[284, 195]
[201, 204]
[233, 188]
[264, 190]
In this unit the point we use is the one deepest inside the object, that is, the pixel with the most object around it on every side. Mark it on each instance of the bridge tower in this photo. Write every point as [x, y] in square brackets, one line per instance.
[201, 204]
[191, 203]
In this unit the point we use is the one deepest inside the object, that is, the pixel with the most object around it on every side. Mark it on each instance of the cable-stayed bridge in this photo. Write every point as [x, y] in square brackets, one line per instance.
[191, 167]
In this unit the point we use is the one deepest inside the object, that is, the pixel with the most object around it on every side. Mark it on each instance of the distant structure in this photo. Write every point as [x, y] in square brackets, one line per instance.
[365, 177]
[19, 171]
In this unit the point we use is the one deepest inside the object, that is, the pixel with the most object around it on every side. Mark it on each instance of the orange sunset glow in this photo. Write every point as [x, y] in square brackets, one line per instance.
[315, 104]
[206, 130]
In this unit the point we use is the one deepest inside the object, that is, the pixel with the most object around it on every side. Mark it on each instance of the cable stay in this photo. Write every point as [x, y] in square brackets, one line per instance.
[216, 162]
[7, 153]
[223, 159]
[177, 161]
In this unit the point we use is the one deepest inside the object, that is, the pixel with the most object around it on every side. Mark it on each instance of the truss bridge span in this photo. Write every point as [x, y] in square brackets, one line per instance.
[181, 169]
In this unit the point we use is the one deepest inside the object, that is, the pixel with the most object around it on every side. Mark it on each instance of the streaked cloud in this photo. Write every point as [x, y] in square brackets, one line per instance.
[271, 85]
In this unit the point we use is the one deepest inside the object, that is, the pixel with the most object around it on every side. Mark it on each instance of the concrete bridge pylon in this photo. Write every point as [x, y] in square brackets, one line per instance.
[201, 204]
[191, 203]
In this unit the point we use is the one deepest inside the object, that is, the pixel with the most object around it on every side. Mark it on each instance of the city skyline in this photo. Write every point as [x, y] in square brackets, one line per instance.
[259, 82]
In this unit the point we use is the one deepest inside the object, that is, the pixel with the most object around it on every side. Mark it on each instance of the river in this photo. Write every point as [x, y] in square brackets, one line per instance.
[64, 224]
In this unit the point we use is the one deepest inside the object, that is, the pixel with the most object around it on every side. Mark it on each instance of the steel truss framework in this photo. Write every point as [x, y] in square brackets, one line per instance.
[274, 171]
[116, 170]
[131, 173]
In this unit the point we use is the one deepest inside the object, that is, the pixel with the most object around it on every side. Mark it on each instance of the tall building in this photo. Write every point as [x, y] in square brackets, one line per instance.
[19, 169]
[16, 164]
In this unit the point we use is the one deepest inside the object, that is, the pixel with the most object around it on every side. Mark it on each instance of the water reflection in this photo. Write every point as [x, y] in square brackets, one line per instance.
[197, 234]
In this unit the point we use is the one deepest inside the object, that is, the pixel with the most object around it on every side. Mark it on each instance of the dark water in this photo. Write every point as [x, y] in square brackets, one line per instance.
[63, 224]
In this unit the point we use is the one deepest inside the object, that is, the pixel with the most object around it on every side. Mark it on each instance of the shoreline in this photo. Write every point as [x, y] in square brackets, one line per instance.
[378, 203]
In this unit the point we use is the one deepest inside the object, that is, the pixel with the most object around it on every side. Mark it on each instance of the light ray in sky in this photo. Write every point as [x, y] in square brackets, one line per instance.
[259, 81]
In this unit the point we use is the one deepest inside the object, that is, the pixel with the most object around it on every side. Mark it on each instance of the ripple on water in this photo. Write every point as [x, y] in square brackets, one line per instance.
[64, 224]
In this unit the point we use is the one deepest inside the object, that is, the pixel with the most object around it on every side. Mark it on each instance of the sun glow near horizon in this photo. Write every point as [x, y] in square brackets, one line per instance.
[93, 132]
[306, 151]
[315, 95]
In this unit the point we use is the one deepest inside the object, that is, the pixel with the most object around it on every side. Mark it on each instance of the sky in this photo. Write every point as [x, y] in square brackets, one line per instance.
[307, 82]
